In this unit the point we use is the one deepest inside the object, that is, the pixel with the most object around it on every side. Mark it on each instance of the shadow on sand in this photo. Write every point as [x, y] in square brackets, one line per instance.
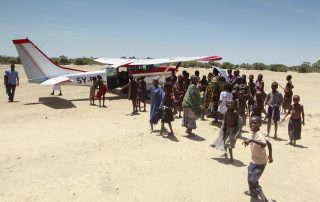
[54, 102]
[259, 200]
[227, 161]
[171, 137]
[195, 137]
[301, 146]
[278, 138]
[165, 135]
[298, 146]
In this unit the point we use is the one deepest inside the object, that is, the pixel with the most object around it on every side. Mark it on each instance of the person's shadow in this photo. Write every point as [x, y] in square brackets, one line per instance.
[300, 146]
[165, 135]
[259, 200]
[278, 138]
[171, 137]
[227, 161]
[195, 137]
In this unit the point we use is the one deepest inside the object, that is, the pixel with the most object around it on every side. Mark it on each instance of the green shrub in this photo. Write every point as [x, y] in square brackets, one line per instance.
[259, 66]
[278, 68]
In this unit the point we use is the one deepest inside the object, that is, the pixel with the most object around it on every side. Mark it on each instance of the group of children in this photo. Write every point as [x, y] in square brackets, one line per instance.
[228, 101]
[249, 99]
[234, 103]
[98, 84]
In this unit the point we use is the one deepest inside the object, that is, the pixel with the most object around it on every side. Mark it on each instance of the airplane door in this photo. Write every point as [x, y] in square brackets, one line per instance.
[123, 76]
[112, 80]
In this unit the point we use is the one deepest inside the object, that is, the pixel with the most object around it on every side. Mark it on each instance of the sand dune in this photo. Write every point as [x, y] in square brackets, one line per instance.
[62, 149]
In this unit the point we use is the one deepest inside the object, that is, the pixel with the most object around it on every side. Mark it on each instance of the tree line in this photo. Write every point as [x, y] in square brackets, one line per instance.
[61, 60]
[305, 67]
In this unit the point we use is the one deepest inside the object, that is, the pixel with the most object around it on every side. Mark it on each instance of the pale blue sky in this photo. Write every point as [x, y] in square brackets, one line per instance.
[268, 31]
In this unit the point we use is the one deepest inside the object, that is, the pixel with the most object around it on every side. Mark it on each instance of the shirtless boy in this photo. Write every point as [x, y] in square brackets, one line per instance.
[230, 127]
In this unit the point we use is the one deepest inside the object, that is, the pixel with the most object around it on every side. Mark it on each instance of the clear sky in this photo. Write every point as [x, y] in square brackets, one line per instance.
[268, 31]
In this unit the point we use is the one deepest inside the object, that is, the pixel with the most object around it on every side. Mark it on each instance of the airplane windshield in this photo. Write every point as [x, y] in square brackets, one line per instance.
[143, 68]
[111, 71]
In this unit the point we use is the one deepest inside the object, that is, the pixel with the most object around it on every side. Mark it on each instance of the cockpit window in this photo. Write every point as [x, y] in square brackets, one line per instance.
[143, 68]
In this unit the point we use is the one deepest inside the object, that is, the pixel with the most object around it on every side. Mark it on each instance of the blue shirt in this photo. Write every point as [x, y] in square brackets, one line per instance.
[12, 77]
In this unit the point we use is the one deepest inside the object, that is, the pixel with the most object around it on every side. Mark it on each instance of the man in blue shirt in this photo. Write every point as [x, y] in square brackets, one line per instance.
[12, 79]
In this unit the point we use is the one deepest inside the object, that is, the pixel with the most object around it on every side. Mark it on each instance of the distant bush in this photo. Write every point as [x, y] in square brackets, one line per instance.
[304, 67]
[214, 63]
[278, 68]
[227, 65]
[64, 60]
[55, 60]
[9, 60]
[80, 61]
[84, 61]
[259, 66]
[246, 66]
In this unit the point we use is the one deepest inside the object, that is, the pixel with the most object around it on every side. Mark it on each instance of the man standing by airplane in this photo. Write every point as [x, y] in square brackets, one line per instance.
[12, 80]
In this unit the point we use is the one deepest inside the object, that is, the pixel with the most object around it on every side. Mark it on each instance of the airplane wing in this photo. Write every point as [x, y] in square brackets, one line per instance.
[56, 80]
[115, 62]
[173, 60]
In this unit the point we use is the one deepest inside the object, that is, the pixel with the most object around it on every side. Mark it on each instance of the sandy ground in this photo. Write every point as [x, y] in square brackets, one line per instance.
[62, 149]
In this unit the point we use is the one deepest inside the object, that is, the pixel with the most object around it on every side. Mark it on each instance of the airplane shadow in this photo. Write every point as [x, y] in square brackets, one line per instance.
[54, 102]
[226, 161]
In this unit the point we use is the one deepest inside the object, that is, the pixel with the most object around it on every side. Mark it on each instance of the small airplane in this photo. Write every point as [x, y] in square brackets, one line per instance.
[40, 69]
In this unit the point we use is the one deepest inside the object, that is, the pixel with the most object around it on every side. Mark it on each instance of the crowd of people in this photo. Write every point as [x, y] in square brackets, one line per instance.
[227, 100]
[188, 97]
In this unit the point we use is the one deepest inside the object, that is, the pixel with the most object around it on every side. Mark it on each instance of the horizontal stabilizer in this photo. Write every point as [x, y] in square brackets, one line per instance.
[56, 80]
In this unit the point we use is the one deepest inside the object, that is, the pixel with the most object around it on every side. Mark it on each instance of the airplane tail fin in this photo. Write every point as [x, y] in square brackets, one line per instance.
[37, 65]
